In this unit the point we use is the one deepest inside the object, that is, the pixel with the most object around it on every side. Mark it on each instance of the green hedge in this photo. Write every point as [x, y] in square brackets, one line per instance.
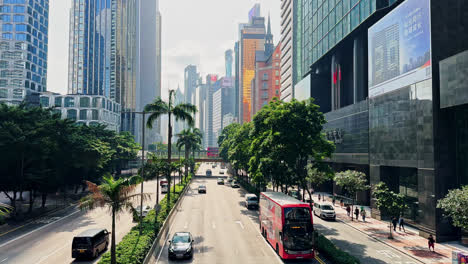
[248, 187]
[133, 248]
[333, 253]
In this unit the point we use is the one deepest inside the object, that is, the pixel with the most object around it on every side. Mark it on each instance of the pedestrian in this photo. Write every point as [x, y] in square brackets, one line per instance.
[333, 200]
[394, 222]
[401, 224]
[341, 203]
[348, 210]
[319, 197]
[363, 214]
[430, 242]
[356, 212]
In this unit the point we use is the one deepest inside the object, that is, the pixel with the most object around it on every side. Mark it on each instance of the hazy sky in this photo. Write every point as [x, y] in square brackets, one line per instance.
[193, 32]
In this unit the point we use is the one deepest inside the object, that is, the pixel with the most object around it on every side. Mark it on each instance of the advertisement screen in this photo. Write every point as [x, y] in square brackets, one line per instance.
[400, 48]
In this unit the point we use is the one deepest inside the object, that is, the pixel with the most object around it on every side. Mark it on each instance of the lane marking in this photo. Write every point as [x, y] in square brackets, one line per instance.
[240, 223]
[213, 225]
[3, 260]
[185, 225]
[35, 230]
[319, 259]
[53, 252]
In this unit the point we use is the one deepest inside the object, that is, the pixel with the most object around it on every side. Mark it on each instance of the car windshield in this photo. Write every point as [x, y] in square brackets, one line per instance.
[202, 187]
[252, 198]
[181, 239]
[327, 207]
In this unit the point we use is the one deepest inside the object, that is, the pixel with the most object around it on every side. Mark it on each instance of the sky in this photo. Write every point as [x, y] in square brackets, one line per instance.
[193, 32]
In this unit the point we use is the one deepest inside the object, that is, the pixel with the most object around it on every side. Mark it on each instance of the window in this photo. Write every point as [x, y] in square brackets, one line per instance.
[19, 9]
[71, 114]
[265, 76]
[7, 27]
[277, 82]
[95, 115]
[264, 85]
[69, 102]
[18, 18]
[83, 114]
[277, 73]
[44, 101]
[20, 36]
[7, 36]
[58, 101]
[84, 102]
[5, 9]
[5, 18]
[21, 28]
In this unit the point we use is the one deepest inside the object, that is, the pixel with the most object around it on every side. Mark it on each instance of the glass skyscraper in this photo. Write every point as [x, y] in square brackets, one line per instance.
[23, 49]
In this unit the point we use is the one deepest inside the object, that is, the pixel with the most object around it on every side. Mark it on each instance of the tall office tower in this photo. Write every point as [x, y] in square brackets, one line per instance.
[200, 95]
[228, 58]
[23, 50]
[236, 79]
[287, 49]
[211, 86]
[178, 125]
[223, 105]
[190, 83]
[252, 39]
[148, 86]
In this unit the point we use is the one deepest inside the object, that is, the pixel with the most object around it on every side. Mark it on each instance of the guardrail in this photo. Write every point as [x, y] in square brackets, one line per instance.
[163, 233]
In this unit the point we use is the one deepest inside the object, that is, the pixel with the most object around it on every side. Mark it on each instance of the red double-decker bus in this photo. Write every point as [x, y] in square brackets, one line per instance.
[286, 223]
[212, 152]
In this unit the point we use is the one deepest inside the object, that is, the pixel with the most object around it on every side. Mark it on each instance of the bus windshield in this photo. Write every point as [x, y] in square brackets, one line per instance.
[298, 229]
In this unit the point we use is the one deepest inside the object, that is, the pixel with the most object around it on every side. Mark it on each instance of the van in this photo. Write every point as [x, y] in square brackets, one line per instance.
[251, 201]
[164, 188]
[90, 243]
[324, 210]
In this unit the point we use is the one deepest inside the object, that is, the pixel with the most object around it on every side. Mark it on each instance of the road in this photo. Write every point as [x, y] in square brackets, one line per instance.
[48, 240]
[367, 249]
[223, 229]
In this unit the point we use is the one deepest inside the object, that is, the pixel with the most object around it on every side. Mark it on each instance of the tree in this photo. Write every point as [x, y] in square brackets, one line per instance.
[389, 203]
[239, 153]
[352, 182]
[455, 206]
[117, 195]
[182, 112]
[225, 140]
[317, 177]
[189, 140]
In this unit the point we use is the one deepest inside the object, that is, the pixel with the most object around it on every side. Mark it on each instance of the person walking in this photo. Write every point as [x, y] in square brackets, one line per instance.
[356, 212]
[341, 203]
[348, 210]
[333, 200]
[319, 197]
[401, 224]
[431, 242]
[394, 222]
[363, 214]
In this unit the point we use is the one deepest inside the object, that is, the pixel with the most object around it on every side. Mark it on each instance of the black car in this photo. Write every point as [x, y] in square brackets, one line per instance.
[181, 246]
[220, 181]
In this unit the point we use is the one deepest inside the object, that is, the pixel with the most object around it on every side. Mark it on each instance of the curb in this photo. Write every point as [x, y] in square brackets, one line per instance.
[29, 221]
[164, 229]
[380, 240]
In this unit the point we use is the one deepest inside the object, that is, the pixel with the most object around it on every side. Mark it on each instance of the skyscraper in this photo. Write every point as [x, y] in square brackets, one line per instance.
[252, 39]
[228, 59]
[190, 83]
[287, 49]
[23, 50]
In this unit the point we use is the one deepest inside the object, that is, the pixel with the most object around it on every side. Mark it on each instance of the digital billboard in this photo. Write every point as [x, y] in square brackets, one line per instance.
[399, 48]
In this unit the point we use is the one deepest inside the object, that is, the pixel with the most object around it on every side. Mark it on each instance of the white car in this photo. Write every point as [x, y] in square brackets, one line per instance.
[324, 210]
[146, 210]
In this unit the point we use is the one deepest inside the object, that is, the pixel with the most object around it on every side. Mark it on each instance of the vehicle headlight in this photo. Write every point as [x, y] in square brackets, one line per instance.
[171, 249]
[189, 249]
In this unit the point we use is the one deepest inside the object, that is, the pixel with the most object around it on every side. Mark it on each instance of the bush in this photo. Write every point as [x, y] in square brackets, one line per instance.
[248, 187]
[332, 253]
[133, 248]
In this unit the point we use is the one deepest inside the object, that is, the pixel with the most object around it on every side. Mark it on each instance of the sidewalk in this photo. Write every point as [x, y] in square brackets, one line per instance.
[409, 242]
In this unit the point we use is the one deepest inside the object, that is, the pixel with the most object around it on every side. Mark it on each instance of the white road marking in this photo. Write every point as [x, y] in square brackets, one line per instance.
[213, 225]
[35, 230]
[53, 253]
[167, 236]
[185, 225]
[3, 260]
[240, 223]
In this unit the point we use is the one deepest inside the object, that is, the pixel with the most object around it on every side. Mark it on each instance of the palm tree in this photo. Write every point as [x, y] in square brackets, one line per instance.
[181, 111]
[189, 140]
[116, 194]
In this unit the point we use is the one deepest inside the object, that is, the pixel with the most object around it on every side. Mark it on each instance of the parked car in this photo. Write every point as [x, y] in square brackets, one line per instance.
[235, 184]
[221, 172]
[295, 194]
[208, 173]
[202, 189]
[324, 210]
[220, 181]
[251, 201]
[90, 243]
[181, 245]
[136, 213]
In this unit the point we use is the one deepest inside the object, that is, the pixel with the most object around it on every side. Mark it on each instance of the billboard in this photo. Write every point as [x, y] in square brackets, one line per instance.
[399, 48]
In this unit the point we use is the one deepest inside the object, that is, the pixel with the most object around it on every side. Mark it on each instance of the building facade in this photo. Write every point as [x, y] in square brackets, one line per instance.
[23, 50]
[266, 84]
[379, 70]
[223, 106]
[84, 109]
[251, 39]
[228, 60]
[287, 25]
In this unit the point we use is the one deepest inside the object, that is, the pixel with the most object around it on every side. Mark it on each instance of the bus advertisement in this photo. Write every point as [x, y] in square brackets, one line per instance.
[286, 223]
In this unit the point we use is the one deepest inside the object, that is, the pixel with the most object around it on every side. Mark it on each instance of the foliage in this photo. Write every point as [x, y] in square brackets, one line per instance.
[41, 153]
[352, 182]
[455, 206]
[134, 247]
[333, 253]
[189, 139]
[388, 202]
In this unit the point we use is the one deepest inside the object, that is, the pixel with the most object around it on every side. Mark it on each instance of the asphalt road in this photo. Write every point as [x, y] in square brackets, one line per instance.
[367, 249]
[223, 229]
[48, 240]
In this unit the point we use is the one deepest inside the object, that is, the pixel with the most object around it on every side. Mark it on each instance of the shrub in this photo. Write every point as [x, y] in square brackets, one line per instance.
[334, 254]
[133, 248]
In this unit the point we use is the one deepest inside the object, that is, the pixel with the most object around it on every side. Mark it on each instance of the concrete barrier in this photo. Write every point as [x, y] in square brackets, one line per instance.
[163, 233]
